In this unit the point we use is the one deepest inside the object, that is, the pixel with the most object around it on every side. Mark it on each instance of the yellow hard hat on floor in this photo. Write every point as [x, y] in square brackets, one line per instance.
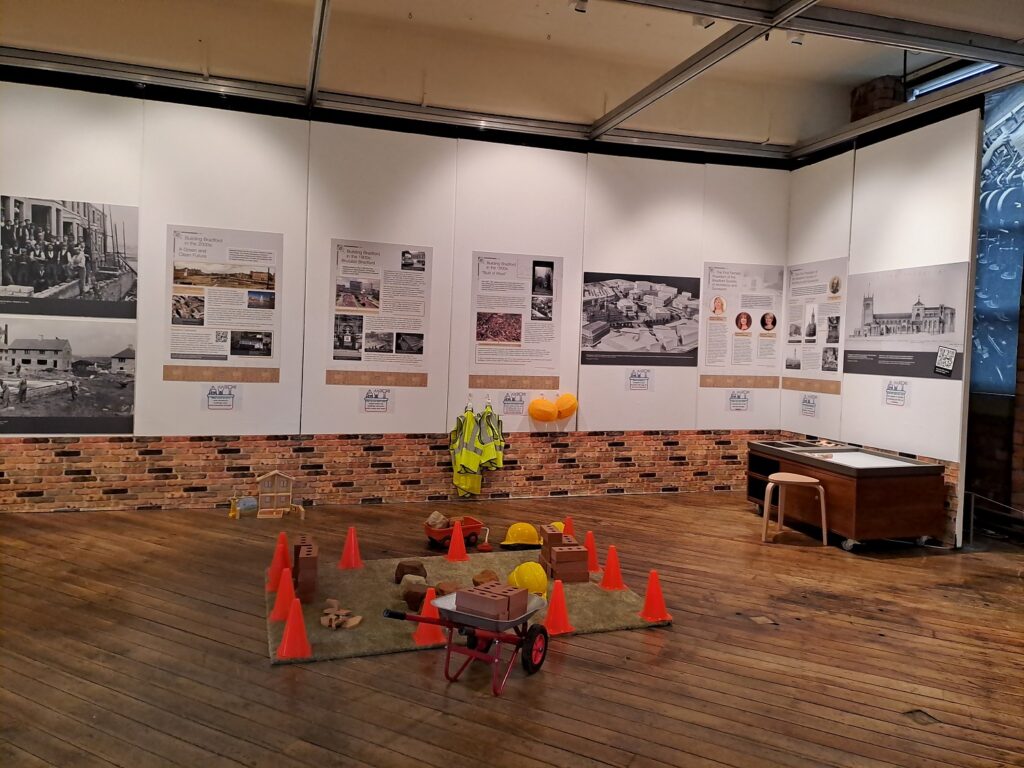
[522, 534]
[531, 577]
[559, 525]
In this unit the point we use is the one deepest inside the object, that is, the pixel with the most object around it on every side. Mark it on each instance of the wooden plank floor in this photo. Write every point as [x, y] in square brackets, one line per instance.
[138, 639]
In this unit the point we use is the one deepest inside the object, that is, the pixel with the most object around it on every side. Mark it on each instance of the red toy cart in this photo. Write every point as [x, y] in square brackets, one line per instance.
[484, 634]
[442, 537]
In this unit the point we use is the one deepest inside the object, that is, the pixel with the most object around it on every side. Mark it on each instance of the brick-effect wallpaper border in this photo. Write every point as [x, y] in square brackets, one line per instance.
[90, 473]
[45, 474]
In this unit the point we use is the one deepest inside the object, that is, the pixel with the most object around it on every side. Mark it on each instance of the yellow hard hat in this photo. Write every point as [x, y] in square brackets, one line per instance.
[559, 525]
[521, 533]
[530, 576]
[566, 405]
[542, 409]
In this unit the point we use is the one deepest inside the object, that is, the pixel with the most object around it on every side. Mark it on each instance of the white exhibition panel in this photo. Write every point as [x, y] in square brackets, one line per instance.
[382, 187]
[643, 217]
[914, 198]
[517, 200]
[68, 145]
[827, 416]
[214, 168]
[913, 206]
[928, 425]
[820, 206]
[746, 213]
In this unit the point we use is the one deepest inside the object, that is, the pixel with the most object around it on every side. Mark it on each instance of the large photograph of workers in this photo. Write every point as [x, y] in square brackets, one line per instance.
[62, 375]
[68, 257]
[639, 320]
[997, 281]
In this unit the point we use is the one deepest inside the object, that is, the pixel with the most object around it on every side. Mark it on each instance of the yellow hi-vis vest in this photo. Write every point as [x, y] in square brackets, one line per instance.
[491, 439]
[463, 445]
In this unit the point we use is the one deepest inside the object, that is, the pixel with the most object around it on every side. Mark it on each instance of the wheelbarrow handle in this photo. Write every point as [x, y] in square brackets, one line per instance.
[399, 615]
[415, 617]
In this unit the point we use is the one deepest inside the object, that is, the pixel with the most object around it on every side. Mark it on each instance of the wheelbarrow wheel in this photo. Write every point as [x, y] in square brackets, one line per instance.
[475, 643]
[472, 539]
[535, 648]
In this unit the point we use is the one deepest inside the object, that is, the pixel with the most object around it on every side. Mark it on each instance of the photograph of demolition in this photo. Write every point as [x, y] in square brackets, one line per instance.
[64, 250]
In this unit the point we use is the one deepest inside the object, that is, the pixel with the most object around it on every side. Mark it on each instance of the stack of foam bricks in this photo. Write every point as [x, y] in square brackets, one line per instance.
[500, 602]
[562, 557]
[305, 557]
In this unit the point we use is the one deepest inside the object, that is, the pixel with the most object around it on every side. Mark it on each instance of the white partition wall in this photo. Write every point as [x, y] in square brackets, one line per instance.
[525, 202]
[644, 218]
[821, 199]
[746, 211]
[382, 187]
[913, 206]
[226, 170]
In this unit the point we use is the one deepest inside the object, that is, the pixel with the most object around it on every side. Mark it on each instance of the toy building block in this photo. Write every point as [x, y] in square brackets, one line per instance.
[275, 494]
[446, 587]
[413, 595]
[569, 541]
[300, 541]
[409, 566]
[481, 601]
[568, 554]
[517, 598]
[306, 563]
[297, 509]
[550, 536]
[484, 577]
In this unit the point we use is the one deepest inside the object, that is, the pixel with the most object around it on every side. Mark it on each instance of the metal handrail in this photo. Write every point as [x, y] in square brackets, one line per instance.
[1013, 513]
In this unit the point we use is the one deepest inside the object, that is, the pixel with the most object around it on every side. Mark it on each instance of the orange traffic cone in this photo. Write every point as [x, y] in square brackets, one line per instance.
[592, 565]
[285, 595]
[280, 561]
[350, 554]
[457, 548]
[294, 643]
[654, 603]
[612, 575]
[557, 619]
[428, 634]
[568, 528]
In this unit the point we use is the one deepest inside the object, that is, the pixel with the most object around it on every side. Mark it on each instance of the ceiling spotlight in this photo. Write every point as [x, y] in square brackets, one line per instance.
[580, 6]
[703, 22]
[795, 38]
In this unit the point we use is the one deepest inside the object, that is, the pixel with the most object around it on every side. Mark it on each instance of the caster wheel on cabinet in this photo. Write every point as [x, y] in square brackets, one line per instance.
[849, 544]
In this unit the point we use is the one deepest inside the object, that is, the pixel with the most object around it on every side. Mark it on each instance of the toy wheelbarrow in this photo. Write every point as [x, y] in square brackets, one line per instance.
[485, 638]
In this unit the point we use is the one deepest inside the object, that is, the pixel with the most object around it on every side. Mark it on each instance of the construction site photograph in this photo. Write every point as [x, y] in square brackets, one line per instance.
[357, 294]
[224, 275]
[499, 328]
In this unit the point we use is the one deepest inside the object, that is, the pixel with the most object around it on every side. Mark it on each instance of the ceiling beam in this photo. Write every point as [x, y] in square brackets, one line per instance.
[722, 47]
[316, 50]
[863, 27]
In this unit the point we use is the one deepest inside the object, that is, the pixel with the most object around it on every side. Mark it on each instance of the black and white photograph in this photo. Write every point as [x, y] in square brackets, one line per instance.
[66, 375]
[348, 337]
[835, 284]
[380, 341]
[261, 299]
[542, 308]
[414, 261]
[897, 320]
[832, 336]
[639, 320]
[811, 323]
[68, 257]
[543, 278]
[796, 331]
[830, 359]
[252, 343]
[355, 294]
[409, 343]
[793, 359]
[188, 309]
[216, 275]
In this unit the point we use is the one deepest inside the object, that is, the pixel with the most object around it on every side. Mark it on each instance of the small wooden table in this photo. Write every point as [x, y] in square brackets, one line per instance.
[870, 495]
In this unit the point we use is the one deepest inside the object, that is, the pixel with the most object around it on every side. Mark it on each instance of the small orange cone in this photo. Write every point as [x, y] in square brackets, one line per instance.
[428, 634]
[280, 561]
[568, 528]
[350, 554]
[654, 603]
[294, 643]
[612, 575]
[285, 595]
[457, 548]
[557, 619]
[592, 565]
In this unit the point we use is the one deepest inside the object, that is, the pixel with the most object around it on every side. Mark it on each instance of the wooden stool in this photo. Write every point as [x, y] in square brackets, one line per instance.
[788, 479]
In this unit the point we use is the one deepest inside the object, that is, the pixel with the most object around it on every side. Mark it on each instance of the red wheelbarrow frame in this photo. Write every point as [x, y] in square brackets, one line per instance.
[532, 642]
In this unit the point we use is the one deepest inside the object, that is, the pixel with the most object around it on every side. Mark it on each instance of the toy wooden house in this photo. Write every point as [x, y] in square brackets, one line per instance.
[275, 494]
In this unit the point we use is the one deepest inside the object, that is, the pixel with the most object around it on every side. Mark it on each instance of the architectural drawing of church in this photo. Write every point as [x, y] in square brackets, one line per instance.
[920, 319]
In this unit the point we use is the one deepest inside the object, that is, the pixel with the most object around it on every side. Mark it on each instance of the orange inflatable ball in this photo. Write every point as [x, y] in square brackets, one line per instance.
[566, 405]
[542, 409]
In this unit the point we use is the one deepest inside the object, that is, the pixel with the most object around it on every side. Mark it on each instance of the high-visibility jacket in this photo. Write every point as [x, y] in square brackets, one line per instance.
[491, 439]
[465, 449]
